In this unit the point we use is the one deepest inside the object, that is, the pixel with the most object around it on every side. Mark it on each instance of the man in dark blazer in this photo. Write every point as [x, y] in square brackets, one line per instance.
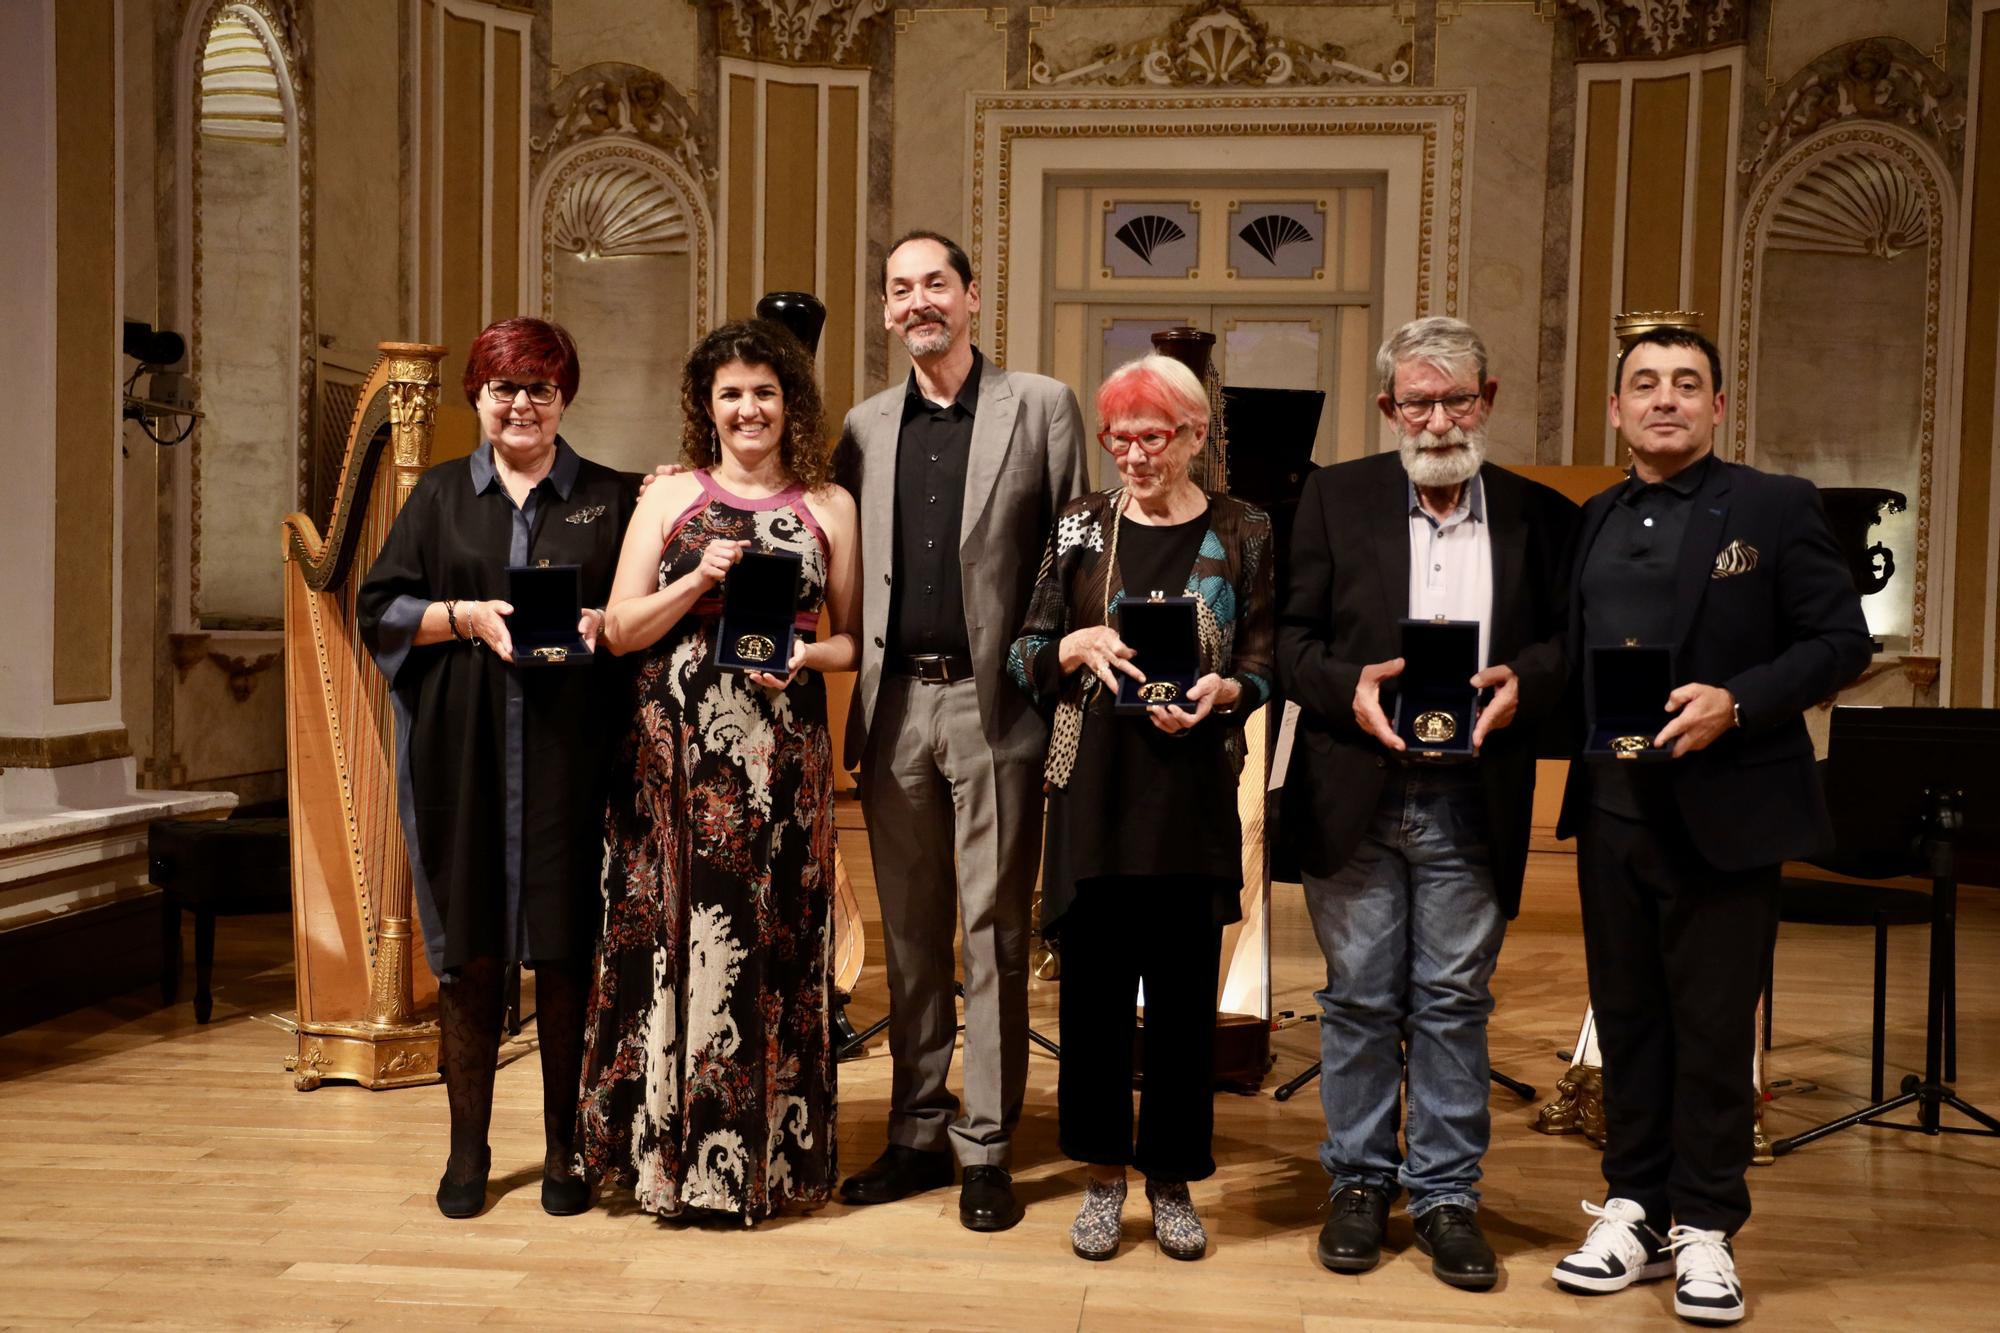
[1412, 868]
[1737, 573]
[958, 472]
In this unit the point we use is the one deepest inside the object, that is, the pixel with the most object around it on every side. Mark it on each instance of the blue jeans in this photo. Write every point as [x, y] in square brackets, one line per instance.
[1411, 928]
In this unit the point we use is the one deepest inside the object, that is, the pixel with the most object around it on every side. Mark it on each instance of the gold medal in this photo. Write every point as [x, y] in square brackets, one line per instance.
[755, 648]
[1435, 726]
[1159, 691]
[553, 654]
[1630, 747]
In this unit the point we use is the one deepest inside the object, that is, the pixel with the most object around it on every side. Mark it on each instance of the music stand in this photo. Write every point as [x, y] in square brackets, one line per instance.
[1919, 785]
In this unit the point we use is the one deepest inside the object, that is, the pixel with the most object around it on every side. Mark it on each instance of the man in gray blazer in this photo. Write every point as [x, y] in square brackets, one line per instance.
[958, 473]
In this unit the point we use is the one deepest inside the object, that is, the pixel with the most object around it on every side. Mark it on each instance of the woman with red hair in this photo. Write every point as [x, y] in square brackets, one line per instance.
[501, 756]
[1142, 866]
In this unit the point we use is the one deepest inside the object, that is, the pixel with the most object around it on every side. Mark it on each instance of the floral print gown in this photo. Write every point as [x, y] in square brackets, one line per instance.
[708, 1078]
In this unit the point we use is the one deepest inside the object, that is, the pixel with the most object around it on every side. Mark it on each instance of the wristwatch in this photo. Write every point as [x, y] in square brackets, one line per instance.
[1736, 711]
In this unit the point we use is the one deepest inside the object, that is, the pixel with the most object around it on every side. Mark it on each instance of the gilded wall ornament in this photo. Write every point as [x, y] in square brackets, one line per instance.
[1216, 44]
[1876, 79]
[797, 31]
[610, 98]
[1636, 29]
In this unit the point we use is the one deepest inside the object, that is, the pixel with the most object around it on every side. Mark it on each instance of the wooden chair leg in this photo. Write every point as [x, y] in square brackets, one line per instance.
[170, 948]
[204, 963]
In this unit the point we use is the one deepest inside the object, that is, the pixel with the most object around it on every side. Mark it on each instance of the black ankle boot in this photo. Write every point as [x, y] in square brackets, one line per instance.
[565, 1196]
[466, 1197]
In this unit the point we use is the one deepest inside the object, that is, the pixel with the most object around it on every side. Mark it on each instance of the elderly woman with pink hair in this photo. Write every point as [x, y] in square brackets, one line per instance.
[1143, 860]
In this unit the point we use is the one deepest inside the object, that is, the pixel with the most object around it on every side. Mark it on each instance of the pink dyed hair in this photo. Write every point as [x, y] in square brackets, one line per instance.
[1152, 386]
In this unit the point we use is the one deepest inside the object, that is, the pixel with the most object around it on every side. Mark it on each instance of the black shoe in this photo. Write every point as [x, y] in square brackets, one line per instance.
[986, 1201]
[566, 1196]
[898, 1173]
[1460, 1256]
[467, 1198]
[1351, 1239]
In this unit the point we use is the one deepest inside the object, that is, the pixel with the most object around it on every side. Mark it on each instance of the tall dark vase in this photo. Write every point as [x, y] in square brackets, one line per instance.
[1188, 345]
[801, 312]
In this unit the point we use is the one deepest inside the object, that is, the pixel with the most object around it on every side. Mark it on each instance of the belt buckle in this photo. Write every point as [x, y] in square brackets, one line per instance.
[932, 669]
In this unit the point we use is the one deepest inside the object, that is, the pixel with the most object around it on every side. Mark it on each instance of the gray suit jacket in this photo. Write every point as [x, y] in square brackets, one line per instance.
[1027, 462]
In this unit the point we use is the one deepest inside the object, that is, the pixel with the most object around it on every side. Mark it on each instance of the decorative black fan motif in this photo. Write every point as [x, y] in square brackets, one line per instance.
[1148, 232]
[1273, 232]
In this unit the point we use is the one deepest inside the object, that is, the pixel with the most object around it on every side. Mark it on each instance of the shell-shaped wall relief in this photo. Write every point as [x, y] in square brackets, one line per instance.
[239, 85]
[619, 209]
[1852, 203]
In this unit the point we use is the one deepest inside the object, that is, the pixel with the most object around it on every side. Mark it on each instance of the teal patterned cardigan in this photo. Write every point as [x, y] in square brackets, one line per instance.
[1077, 588]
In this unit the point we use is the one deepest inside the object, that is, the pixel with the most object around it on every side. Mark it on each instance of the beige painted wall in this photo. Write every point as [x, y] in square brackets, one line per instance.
[1801, 29]
[358, 171]
[940, 57]
[245, 446]
[629, 317]
[1503, 53]
[658, 34]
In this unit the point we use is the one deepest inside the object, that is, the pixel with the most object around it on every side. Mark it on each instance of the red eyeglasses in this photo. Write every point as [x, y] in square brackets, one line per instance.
[1116, 442]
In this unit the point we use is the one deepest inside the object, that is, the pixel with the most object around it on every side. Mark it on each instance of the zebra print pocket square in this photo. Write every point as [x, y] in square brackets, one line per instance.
[1739, 557]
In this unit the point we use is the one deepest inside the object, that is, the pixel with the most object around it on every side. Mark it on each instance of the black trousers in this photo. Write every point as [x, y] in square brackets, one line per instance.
[1676, 951]
[1118, 933]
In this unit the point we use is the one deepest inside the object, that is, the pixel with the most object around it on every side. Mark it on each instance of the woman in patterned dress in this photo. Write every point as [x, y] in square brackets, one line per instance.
[708, 1083]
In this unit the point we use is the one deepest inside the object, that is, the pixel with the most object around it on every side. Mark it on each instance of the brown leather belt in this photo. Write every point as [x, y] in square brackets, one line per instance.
[933, 668]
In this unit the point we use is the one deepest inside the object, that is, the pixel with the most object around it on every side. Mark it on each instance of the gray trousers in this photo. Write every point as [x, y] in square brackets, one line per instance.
[933, 790]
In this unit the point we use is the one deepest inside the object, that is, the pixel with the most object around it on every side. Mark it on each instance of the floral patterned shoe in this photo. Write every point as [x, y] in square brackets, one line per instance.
[1175, 1225]
[1094, 1234]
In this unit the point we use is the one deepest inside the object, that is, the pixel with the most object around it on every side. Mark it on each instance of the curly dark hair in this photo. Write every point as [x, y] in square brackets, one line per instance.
[758, 342]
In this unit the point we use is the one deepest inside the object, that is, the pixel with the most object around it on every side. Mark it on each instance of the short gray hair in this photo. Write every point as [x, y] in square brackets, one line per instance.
[1438, 340]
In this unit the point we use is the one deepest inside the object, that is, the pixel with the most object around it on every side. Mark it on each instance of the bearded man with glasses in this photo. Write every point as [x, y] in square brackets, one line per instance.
[1411, 868]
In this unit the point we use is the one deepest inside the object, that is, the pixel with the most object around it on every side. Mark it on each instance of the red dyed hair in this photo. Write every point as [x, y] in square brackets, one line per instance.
[1152, 386]
[523, 349]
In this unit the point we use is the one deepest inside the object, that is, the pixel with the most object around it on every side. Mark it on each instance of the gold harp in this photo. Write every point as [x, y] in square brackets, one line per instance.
[366, 1010]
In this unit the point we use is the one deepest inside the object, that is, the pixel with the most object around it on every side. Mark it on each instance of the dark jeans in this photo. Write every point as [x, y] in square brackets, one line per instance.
[1677, 951]
[1119, 933]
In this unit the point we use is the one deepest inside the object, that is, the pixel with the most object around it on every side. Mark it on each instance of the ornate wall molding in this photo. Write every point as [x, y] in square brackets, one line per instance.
[622, 165]
[1877, 79]
[1643, 29]
[1854, 204]
[1216, 44]
[1435, 126]
[571, 180]
[1900, 152]
[610, 98]
[797, 32]
[280, 28]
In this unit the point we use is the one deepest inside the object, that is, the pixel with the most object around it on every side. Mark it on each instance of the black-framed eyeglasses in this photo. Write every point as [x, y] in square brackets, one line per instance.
[1457, 406]
[539, 393]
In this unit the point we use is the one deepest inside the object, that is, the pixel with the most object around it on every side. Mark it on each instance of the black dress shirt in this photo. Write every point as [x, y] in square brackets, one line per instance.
[1627, 589]
[927, 600]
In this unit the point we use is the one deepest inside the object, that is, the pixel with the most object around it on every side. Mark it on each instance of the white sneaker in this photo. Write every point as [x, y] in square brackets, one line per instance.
[1706, 1290]
[1620, 1250]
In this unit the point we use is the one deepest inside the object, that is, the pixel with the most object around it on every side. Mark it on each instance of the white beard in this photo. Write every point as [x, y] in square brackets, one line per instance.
[1435, 468]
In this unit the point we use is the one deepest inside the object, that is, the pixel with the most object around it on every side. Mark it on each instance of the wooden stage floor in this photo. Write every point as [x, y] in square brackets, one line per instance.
[159, 1174]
